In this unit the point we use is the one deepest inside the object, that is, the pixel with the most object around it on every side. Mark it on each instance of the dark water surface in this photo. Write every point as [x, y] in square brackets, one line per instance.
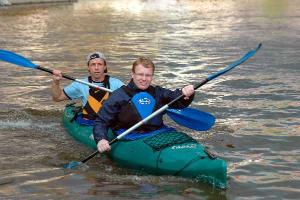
[256, 105]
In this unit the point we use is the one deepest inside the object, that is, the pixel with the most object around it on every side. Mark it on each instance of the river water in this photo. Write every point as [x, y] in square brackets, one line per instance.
[256, 105]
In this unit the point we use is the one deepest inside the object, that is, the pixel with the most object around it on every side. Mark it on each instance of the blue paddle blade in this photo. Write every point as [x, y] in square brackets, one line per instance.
[16, 59]
[72, 165]
[192, 118]
[236, 63]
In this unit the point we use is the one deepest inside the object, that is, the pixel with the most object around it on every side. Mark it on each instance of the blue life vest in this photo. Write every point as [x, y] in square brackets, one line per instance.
[141, 105]
[144, 104]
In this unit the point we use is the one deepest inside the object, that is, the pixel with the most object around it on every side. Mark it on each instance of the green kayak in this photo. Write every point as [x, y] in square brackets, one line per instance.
[168, 153]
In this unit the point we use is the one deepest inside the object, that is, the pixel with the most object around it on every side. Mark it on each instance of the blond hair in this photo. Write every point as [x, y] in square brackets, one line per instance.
[145, 61]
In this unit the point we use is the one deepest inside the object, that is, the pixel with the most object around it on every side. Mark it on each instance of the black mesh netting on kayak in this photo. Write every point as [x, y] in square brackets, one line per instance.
[161, 141]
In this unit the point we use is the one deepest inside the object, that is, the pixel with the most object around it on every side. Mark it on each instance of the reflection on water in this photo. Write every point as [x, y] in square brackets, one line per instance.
[256, 104]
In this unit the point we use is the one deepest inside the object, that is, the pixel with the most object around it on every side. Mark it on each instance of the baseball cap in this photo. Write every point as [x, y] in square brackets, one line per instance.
[94, 55]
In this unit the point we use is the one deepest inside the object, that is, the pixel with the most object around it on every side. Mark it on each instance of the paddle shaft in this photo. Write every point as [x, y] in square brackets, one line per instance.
[96, 152]
[108, 90]
[74, 79]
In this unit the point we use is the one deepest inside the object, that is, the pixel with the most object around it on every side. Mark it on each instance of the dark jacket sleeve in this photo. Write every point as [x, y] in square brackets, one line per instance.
[108, 114]
[167, 96]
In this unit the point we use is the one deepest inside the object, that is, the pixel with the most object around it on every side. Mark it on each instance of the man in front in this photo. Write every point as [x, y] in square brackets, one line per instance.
[130, 104]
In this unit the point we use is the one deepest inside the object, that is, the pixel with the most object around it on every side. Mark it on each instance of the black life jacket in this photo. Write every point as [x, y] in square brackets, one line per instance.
[141, 105]
[95, 100]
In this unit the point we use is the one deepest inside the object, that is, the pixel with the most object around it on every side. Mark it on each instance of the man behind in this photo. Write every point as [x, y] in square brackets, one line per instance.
[91, 98]
[130, 104]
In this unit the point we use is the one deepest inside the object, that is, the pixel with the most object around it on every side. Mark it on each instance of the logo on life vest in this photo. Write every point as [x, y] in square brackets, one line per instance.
[144, 101]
